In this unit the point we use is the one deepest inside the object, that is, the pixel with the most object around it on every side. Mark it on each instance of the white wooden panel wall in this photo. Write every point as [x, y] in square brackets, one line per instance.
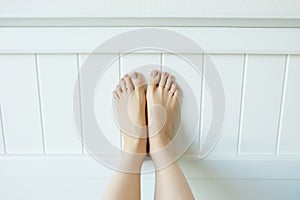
[260, 100]
[289, 133]
[57, 77]
[263, 83]
[259, 69]
[131, 61]
[20, 104]
[103, 100]
[135, 8]
[230, 68]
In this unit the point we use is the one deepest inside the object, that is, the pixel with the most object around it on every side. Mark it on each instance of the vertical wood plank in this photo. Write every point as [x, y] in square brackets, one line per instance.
[58, 73]
[20, 104]
[263, 87]
[205, 105]
[290, 129]
[230, 68]
[135, 61]
[103, 100]
[194, 80]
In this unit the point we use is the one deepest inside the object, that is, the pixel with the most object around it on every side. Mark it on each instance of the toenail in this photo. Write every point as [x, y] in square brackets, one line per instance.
[154, 73]
[165, 73]
[126, 75]
[134, 75]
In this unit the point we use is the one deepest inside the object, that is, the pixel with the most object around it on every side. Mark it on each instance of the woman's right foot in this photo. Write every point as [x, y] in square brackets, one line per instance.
[162, 105]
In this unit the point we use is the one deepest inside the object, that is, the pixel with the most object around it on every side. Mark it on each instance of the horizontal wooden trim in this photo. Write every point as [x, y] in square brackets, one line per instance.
[87, 167]
[137, 8]
[211, 39]
[150, 22]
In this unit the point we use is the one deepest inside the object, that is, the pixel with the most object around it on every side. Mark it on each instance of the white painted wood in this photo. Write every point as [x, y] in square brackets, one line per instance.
[206, 105]
[103, 101]
[53, 167]
[212, 39]
[136, 8]
[230, 68]
[20, 104]
[57, 75]
[93, 189]
[240, 169]
[289, 135]
[263, 88]
[142, 62]
[245, 189]
[52, 188]
[192, 75]
[150, 22]
[2, 138]
[45, 167]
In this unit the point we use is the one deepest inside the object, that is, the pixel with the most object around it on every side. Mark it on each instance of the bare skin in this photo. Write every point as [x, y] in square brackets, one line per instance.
[129, 96]
[162, 104]
[170, 182]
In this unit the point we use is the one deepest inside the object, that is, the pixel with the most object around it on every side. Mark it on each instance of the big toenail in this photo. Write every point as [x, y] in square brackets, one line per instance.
[134, 75]
[154, 73]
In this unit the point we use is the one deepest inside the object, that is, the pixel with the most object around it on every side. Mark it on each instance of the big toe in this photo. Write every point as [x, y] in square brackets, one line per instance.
[154, 78]
[137, 80]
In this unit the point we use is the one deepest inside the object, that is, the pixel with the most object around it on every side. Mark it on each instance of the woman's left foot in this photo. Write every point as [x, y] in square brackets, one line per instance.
[130, 101]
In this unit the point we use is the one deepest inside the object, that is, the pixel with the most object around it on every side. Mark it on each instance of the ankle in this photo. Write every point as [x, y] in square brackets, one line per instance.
[134, 145]
[158, 142]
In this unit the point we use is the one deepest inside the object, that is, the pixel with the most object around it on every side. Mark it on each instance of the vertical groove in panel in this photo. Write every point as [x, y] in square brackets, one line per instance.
[2, 129]
[278, 138]
[40, 101]
[242, 104]
[120, 74]
[201, 113]
[162, 60]
[80, 102]
[120, 60]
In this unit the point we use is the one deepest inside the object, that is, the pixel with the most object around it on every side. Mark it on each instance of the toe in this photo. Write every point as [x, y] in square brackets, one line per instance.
[118, 90]
[136, 80]
[116, 96]
[154, 79]
[123, 85]
[175, 98]
[163, 79]
[173, 88]
[169, 82]
[128, 82]
[176, 93]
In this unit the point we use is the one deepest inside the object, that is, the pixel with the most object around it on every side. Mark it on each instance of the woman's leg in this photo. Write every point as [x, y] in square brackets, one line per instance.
[130, 101]
[162, 94]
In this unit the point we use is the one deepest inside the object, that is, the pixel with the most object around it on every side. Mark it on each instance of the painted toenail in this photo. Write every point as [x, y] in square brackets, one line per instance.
[154, 73]
[134, 75]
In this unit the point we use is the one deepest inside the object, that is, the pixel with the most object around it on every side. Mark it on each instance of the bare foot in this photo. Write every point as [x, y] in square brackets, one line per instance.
[162, 105]
[130, 101]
